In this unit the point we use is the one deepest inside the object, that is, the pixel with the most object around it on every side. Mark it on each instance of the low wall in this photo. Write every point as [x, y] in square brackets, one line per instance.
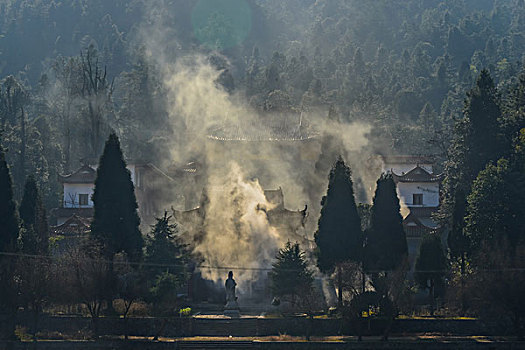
[147, 345]
[193, 326]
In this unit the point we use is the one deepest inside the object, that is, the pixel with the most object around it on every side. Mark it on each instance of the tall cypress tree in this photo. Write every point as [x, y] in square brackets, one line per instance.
[35, 233]
[116, 222]
[339, 237]
[386, 240]
[8, 245]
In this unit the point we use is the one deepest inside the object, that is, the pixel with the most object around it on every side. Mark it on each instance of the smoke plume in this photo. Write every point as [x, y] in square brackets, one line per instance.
[241, 152]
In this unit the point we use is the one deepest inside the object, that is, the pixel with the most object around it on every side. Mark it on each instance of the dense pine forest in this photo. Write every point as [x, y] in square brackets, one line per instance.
[73, 70]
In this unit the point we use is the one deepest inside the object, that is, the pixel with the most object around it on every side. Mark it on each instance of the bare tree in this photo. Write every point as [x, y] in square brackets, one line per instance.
[86, 276]
[68, 74]
[391, 288]
[35, 278]
[354, 283]
[13, 99]
[131, 285]
[96, 91]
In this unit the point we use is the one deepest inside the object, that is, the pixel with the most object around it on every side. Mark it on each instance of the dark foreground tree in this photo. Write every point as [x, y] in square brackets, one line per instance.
[165, 265]
[339, 237]
[131, 286]
[35, 233]
[85, 272]
[495, 226]
[495, 210]
[431, 266]
[386, 242]
[116, 221]
[165, 252]
[8, 247]
[290, 275]
[477, 141]
[496, 290]
[386, 248]
[34, 267]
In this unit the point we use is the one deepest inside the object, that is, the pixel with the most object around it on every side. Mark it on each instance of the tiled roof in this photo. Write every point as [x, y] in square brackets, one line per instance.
[418, 174]
[190, 168]
[266, 128]
[74, 226]
[67, 212]
[408, 159]
[423, 211]
[84, 175]
[417, 226]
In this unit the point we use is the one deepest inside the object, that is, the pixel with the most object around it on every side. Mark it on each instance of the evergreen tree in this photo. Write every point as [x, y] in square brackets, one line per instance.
[116, 222]
[35, 231]
[165, 251]
[476, 142]
[34, 276]
[386, 242]
[339, 237]
[495, 211]
[514, 114]
[290, 275]
[458, 243]
[8, 240]
[431, 265]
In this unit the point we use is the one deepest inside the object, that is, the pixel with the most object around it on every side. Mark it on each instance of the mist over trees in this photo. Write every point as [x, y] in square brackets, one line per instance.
[72, 71]
[441, 78]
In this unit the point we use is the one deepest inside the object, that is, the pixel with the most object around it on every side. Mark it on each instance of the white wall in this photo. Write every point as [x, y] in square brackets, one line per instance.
[430, 193]
[131, 168]
[71, 192]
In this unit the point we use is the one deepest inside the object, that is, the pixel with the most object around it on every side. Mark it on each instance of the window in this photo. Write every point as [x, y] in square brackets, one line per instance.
[417, 199]
[83, 199]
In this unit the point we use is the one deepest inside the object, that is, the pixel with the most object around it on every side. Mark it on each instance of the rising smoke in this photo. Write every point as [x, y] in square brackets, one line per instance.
[236, 169]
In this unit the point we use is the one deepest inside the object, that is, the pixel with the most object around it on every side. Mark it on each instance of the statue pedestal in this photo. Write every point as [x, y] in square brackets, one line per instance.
[232, 309]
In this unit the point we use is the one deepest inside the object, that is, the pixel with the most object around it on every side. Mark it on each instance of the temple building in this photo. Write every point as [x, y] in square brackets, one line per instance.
[418, 191]
[289, 223]
[153, 189]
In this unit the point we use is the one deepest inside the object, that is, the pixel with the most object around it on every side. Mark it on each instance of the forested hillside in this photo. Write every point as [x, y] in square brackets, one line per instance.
[72, 70]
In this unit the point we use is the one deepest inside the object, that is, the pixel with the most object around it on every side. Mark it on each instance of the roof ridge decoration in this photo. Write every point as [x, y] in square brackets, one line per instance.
[418, 174]
[84, 174]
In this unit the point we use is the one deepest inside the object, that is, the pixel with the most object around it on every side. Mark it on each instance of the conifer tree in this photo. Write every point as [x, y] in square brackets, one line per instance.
[476, 142]
[33, 272]
[513, 120]
[339, 237]
[290, 275]
[386, 242]
[165, 251]
[116, 221]
[495, 210]
[35, 233]
[8, 245]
